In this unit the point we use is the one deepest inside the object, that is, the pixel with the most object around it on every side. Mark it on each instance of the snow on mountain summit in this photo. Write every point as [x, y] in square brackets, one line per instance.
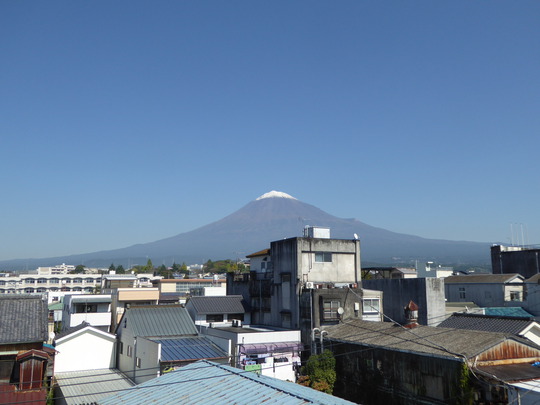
[276, 194]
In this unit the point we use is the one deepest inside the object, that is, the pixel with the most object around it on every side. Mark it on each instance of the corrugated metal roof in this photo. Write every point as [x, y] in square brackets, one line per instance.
[483, 278]
[511, 372]
[507, 311]
[88, 387]
[23, 318]
[205, 382]
[228, 304]
[160, 321]
[189, 348]
[444, 342]
[486, 323]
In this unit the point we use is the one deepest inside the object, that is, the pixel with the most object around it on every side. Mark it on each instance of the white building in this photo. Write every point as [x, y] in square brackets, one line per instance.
[84, 348]
[92, 309]
[272, 352]
[45, 283]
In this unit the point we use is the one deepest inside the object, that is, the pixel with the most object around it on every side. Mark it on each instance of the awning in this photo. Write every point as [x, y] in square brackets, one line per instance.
[261, 348]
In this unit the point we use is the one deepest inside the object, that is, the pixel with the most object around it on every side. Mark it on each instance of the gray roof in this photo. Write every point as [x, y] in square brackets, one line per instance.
[228, 304]
[189, 348]
[88, 387]
[534, 279]
[482, 278]
[503, 324]
[205, 382]
[159, 321]
[23, 318]
[443, 342]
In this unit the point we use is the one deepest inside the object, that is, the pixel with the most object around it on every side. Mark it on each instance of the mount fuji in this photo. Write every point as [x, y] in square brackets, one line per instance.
[273, 216]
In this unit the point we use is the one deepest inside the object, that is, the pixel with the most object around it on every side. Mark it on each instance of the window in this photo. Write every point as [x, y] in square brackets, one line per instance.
[121, 347]
[515, 296]
[29, 281]
[42, 280]
[462, 294]
[129, 351]
[138, 362]
[323, 257]
[85, 308]
[214, 318]
[54, 281]
[286, 277]
[330, 310]
[371, 305]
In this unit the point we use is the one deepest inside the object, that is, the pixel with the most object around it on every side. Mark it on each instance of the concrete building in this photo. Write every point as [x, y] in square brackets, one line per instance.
[524, 260]
[92, 309]
[49, 283]
[269, 351]
[305, 283]
[427, 293]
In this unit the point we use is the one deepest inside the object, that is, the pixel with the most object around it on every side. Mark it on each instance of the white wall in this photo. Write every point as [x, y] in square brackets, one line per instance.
[88, 350]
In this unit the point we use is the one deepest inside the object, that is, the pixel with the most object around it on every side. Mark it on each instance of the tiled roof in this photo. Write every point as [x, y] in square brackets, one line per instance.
[189, 348]
[512, 325]
[205, 382]
[264, 252]
[88, 387]
[482, 278]
[444, 342]
[23, 318]
[229, 304]
[159, 321]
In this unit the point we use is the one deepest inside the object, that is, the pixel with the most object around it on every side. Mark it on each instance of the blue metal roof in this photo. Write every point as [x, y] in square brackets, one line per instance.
[205, 382]
[189, 348]
[507, 311]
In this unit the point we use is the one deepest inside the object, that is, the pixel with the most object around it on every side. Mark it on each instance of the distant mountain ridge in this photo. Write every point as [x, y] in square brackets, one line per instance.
[272, 216]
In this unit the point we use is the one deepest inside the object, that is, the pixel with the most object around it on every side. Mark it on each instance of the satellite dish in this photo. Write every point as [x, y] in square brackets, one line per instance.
[340, 311]
[355, 236]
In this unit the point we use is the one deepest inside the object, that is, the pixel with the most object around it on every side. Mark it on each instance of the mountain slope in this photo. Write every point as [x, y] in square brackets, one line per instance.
[271, 217]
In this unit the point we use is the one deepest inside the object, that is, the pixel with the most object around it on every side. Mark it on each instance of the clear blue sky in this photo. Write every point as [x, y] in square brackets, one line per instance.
[124, 122]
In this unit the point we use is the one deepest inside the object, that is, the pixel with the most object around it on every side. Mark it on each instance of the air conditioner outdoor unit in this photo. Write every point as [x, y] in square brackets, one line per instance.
[309, 285]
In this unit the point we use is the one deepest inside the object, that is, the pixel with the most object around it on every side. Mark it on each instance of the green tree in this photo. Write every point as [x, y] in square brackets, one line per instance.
[79, 269]
[149, 268]
[320, 372]
[112, 267]
[120, 269]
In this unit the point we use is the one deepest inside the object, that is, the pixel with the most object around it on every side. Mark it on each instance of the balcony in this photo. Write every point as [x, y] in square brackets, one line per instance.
[93, 318]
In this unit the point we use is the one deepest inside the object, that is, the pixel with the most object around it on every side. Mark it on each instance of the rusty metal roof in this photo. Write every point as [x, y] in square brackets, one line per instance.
[445, 342]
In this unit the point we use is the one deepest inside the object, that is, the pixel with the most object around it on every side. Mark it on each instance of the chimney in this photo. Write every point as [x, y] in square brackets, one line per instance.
[411, 314]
